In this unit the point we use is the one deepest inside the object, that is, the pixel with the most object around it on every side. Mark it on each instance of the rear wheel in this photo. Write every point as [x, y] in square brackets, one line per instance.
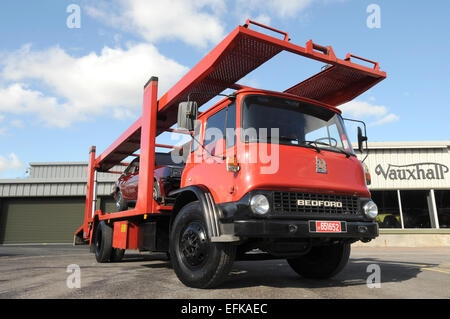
[103, 242]
[197, 262]
[322, 261]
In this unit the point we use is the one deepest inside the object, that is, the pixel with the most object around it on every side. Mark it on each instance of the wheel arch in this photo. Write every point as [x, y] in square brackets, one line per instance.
[201, 194]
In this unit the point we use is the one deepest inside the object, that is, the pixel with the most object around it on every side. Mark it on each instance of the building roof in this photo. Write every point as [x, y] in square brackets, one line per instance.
[409, 145]
[57, 179]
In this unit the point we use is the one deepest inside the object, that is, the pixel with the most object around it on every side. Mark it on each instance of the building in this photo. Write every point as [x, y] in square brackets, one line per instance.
[48, 206]
[410, 184]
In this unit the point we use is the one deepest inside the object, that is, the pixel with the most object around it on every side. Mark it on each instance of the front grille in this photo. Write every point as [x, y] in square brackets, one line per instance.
[286, 204]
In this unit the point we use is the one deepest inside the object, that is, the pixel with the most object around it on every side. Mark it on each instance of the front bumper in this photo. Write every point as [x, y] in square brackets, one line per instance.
[254, 228]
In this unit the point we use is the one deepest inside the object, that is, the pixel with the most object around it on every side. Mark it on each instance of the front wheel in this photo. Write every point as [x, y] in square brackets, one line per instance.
[197, 262]
[322, 261]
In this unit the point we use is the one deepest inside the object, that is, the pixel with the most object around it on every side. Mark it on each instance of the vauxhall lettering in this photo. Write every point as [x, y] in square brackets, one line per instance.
[419, 171]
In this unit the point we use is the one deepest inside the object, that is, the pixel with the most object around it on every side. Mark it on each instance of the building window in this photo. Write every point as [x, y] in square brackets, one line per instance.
[443, 207]
[388, 209]
[416, 208]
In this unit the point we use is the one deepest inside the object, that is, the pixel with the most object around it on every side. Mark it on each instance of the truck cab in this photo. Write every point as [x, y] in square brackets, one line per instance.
[284, 177]
[279, 142]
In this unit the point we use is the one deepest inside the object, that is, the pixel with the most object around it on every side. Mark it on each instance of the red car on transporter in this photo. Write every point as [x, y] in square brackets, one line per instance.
[167, 178]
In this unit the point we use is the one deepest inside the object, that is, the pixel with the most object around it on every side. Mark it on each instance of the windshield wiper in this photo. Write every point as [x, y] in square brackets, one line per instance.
[347, 154]
[309, 144]
[295, 139]
[282, 138]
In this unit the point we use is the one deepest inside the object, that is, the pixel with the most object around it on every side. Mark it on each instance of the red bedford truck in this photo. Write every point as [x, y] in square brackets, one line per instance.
[212, 201]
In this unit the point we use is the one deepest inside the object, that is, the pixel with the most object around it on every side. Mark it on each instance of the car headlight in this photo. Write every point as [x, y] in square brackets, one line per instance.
[259, 204]
[370, 210]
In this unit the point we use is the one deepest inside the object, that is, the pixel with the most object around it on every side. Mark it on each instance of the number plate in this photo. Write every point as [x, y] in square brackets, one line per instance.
[327, 227]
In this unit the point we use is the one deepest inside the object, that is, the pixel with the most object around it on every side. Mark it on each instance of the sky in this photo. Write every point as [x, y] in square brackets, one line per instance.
[72, 72]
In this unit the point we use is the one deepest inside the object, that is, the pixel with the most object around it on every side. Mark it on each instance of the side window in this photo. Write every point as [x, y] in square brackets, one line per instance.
[215, 127]
[197, 129]
[231, 125]
[222, 125]
[133, 167]
[136, 165]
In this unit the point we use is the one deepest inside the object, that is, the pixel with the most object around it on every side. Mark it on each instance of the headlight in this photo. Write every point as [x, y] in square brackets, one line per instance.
[259, 204]
[370, 210]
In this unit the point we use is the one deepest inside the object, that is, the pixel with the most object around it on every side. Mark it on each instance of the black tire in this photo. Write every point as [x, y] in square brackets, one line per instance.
[321, 262]
[117, 254]
[197, 262]
[121, 203]
[103, 242]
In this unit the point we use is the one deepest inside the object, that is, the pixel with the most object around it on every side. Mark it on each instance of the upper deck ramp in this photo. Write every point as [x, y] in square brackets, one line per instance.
[241, 52]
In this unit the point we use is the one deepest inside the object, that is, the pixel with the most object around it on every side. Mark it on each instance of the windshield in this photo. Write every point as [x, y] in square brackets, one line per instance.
[290, 122]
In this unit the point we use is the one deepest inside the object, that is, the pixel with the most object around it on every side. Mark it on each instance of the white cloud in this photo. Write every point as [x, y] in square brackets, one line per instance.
[194, 22]
[285, 8]
[387, 119]
[363, 109]
[377, 114]
[17, 124]
[18, 99]
[11, 162]
[95, 84]
[263, 19]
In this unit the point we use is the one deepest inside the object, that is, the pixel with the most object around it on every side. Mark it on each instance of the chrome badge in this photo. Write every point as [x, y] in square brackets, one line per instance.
[321, 166]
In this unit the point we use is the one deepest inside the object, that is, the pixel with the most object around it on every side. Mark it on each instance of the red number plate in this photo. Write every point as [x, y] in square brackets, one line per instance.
[328, 227]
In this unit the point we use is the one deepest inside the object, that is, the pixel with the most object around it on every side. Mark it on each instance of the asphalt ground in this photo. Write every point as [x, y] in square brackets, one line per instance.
[387, 273]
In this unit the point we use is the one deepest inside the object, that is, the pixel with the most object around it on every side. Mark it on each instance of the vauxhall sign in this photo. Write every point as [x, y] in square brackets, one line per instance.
[417, 171]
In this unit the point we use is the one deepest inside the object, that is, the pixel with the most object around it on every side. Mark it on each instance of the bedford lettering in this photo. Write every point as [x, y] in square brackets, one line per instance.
[419, 171]
[318, 203]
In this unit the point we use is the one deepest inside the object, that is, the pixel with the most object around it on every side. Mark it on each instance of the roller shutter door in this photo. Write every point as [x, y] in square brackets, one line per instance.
[40, 220]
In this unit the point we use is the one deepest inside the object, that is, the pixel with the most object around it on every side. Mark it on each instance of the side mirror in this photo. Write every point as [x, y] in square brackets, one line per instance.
[361, 139]
[187, 114]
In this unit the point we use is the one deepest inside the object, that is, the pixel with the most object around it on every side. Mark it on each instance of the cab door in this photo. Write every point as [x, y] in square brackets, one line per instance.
[210, 167]
[220, 141]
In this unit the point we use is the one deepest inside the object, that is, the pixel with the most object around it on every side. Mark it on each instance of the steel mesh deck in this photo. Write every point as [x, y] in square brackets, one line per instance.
[241, 52]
